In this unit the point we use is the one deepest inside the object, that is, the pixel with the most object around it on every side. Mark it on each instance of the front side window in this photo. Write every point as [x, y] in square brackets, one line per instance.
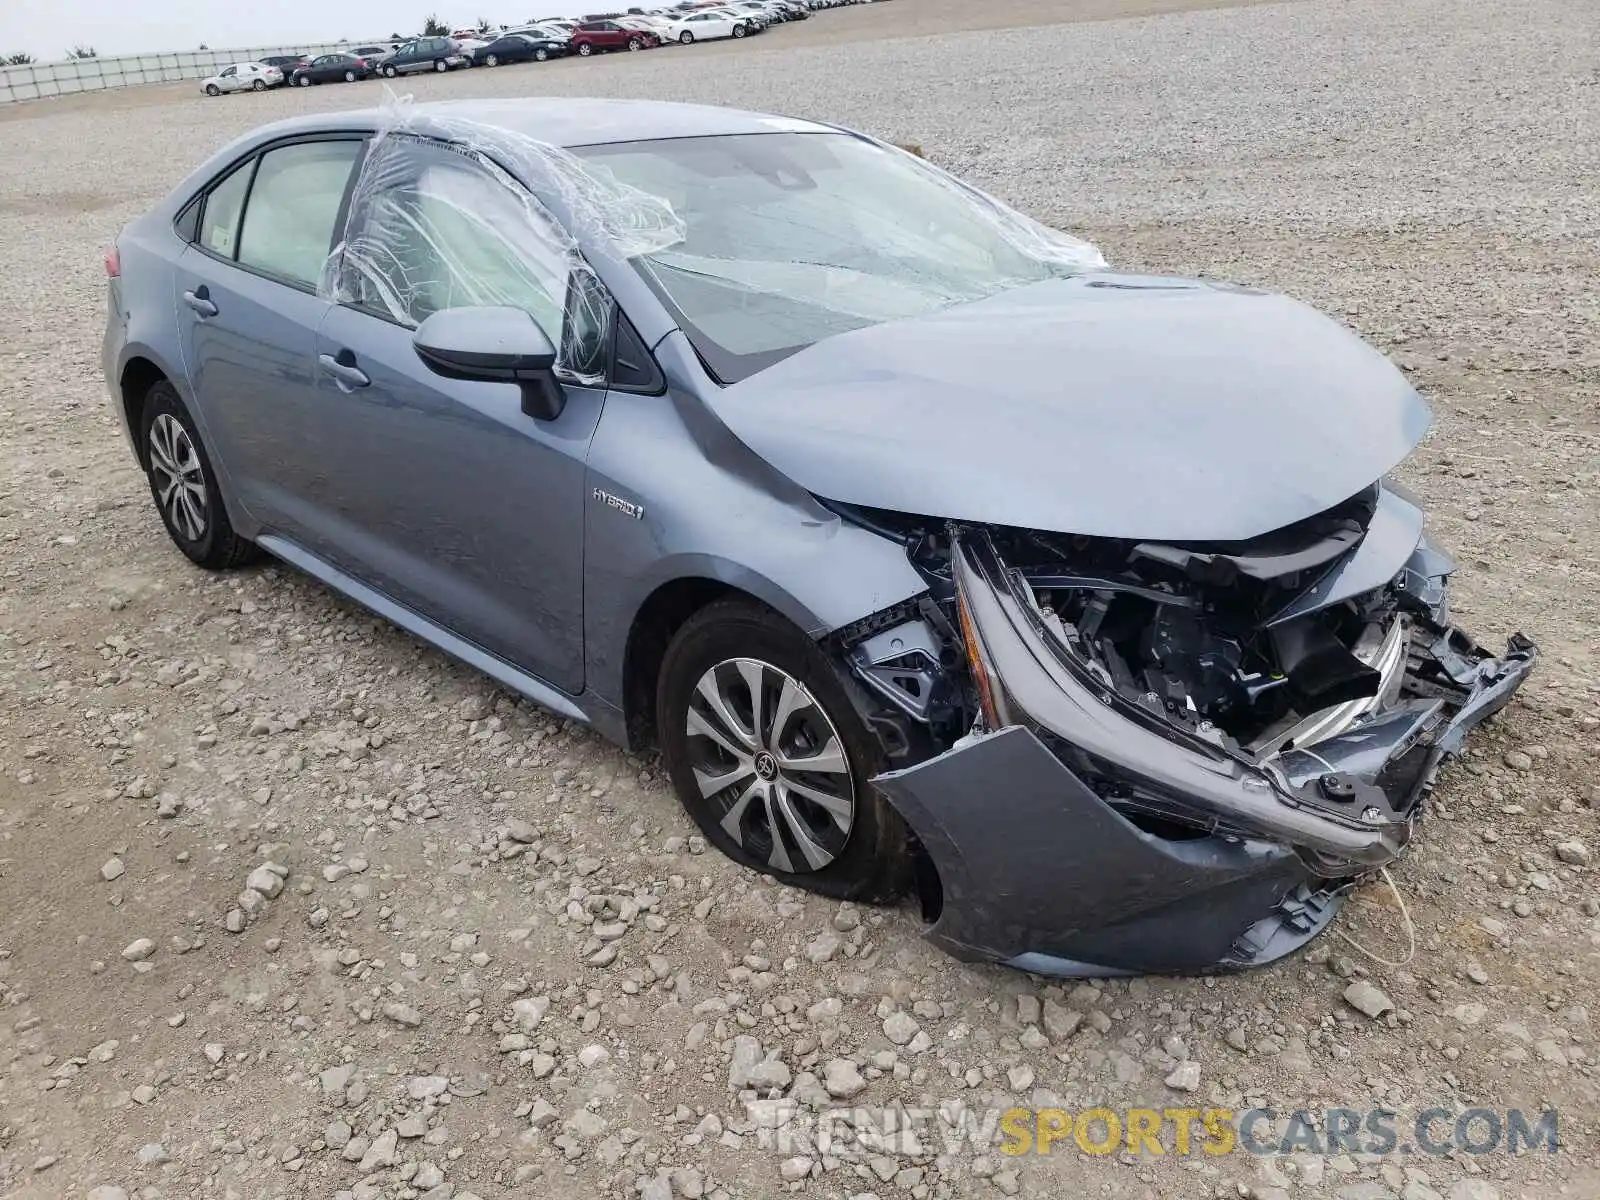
[437, 228]
[293, 208]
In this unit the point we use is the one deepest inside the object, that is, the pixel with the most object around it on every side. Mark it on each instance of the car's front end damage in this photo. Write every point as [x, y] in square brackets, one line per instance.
[1168, 758]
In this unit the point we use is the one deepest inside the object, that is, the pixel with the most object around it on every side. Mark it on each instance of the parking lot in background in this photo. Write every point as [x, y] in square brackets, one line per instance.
[1422, 170]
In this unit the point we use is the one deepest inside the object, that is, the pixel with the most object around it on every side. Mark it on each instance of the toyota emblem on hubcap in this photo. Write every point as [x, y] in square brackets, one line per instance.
[766, 766]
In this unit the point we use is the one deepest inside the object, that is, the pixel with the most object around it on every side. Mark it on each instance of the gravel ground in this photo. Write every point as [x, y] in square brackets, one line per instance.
[292, 906]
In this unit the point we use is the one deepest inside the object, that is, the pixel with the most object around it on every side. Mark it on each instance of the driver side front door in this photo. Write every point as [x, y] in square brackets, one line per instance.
[442, 493]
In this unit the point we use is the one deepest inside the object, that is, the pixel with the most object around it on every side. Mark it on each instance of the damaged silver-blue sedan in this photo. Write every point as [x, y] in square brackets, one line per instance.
[932, 555]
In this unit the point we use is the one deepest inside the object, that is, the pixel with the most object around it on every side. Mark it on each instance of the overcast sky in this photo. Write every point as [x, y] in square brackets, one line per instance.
[48, 30]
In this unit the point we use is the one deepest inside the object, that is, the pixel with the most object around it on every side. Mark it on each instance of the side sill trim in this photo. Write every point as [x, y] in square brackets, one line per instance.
[420, 626]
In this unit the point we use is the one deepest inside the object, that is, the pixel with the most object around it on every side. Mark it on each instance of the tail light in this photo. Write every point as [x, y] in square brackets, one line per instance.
[113, 263]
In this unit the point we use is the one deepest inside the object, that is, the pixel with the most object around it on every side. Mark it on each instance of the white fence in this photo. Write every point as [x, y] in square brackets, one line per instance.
[93, 74]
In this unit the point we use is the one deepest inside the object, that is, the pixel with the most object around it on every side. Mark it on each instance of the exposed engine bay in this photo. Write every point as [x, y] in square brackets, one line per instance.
[1295, 692]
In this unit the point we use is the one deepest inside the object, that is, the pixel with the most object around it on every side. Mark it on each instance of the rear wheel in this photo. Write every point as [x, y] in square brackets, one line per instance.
[491, 60]
[349, 76]
[184, 486]
[259, 85]
[770, 757]
[585, 49]
[439, 64]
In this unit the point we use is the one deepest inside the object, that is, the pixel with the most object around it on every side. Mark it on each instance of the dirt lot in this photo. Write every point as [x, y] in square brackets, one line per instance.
[421, 1010]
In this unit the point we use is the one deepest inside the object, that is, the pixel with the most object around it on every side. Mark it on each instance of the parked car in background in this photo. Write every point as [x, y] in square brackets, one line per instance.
[373, 54]
[471, 45]
[242, 77]
[424, 54]
[286, 63]
[332, 68]
[543, 31]
[659, 26]
[754, 23]
[520, 47]
[753, 10]
[708, 26]
[594, 37]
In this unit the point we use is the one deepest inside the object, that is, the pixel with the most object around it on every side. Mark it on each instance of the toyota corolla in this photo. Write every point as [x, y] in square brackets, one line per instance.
[933, 555]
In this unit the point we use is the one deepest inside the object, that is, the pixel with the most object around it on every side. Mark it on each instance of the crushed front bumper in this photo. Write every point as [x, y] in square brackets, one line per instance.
[1033, 830]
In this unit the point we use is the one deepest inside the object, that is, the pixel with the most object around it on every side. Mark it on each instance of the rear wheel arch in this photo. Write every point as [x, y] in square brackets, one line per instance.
[139, 375]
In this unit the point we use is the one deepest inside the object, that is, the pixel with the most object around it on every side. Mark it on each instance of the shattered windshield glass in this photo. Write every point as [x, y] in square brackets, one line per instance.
[789, 238]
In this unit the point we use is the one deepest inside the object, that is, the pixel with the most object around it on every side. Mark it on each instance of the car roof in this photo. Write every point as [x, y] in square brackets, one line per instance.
[563, 121]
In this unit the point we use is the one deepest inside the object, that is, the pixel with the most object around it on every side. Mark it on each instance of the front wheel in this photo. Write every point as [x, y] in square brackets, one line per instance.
[213, 90]
[491, 60]
[686, 38]
[771, 758]
[585, 49]
[635, 44]
[738, 31]
[184, 485]
[541, 54]
[390, 72]
[303, 81]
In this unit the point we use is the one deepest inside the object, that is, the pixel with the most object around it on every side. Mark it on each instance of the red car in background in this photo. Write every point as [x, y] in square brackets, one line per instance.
[592, 37]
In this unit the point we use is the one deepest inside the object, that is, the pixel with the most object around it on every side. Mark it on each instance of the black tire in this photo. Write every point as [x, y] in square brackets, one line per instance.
[440, 65]
[738, 31]
[213, 90]
[585, 49]
[302, 81]
[349, 76]
[873, 863]
[389, 72]
[217, 547]
[541, 54]
[635, 44]
[686, 38]
[259, 85]
[491, 60]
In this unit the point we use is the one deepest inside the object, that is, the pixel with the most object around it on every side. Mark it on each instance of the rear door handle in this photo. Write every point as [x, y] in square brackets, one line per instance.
[344, 370]
[200, 301]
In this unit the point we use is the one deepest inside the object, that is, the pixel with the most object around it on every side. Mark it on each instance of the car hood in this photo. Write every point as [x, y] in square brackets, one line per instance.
[1105, 405]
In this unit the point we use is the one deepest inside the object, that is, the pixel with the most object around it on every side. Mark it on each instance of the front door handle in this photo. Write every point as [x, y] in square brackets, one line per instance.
[200, 301]
[344, 370]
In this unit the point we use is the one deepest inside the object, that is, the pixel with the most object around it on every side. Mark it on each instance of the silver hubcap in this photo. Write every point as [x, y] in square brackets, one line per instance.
[179, 479]
[769, 760]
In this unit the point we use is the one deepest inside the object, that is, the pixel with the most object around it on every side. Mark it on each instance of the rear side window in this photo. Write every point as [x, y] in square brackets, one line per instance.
[293, 208]
[219, 224]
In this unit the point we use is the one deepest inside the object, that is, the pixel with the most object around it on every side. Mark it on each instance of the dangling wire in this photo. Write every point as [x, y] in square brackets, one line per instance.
[1405, 915]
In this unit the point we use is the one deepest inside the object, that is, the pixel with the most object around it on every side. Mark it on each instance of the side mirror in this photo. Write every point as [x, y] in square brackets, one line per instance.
[494, 345]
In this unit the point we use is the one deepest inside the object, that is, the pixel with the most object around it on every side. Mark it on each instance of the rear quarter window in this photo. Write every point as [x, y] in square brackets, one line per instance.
[224, 206]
